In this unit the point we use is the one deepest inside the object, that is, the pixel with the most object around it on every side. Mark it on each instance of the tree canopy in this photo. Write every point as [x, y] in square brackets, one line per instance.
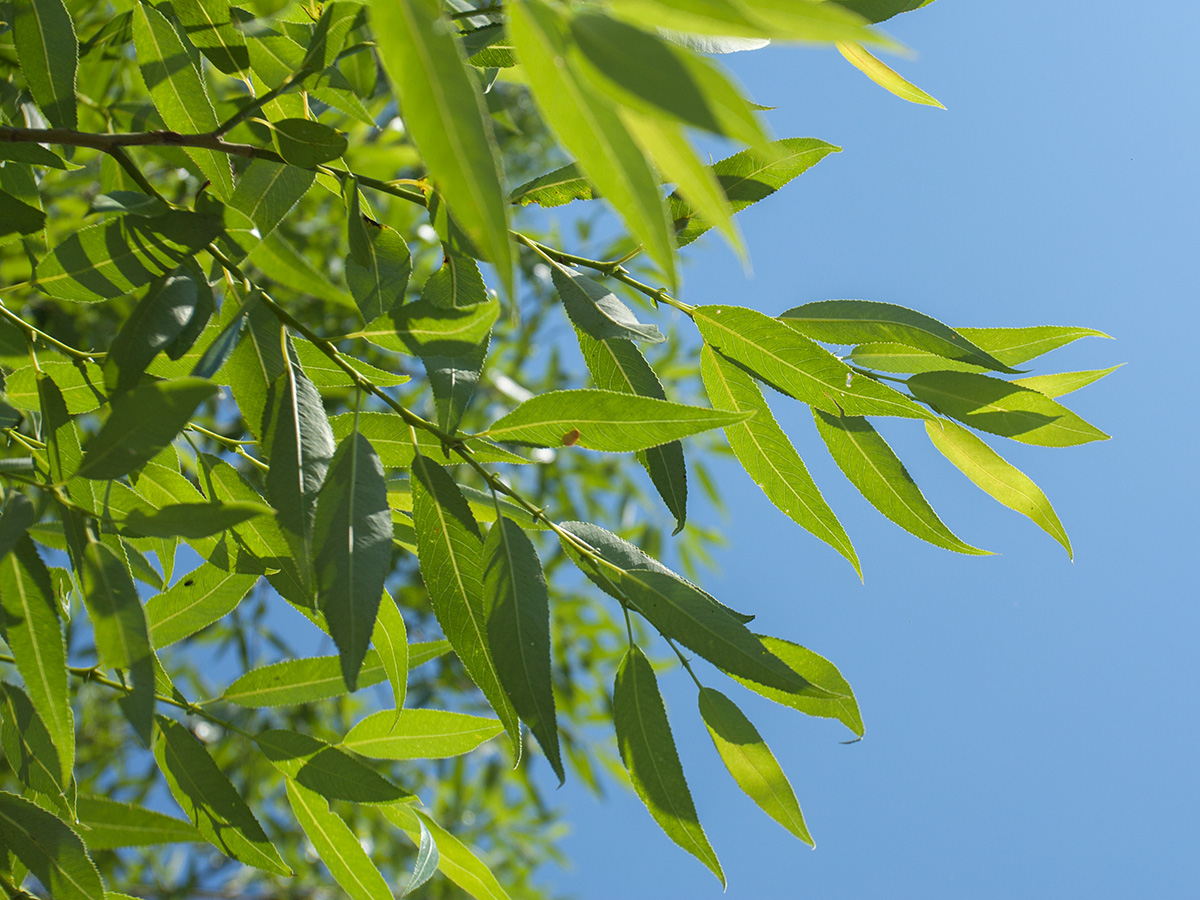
[314, 531]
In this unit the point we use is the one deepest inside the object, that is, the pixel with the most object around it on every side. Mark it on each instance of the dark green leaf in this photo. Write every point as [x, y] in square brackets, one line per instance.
[18, 515]
[154, 325]
[48, 847]
[648, 752]
[596, 311]
[419, 734]
[211, 29]
[198, 599]
[305, 143]
[111, 825]
[329, 34]
[19, 216]
[129, 203]
[48, 51]
[32, 154]
[191, 520]
[30, 750]
[330, 771]
[555, 188]
[218, 352]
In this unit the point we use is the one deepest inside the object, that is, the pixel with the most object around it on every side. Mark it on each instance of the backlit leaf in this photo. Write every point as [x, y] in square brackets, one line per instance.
[555, 188]
[330, 771]
[203, 596]
[48, 51]
[883, 75]
[82, 388]
[379, 263]
[191, 520]
[30, 750]
[798, 21]
[294, 681]
[596, 310]
[1061, 383]
[390, 640]
[305, 143]
[48, 847]
[210, 27]
[455, 858]
[1013, 346]
[419, 734]
[392, 440]
[422, 329]
[337, 845]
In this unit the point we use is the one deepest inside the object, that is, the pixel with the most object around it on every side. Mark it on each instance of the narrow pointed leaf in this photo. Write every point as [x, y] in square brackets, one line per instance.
[337, 845]
[30, 750]
[451, 553]
[795, 365]
[295, 681]
[869, 463]
[444, 111]
[888, 356]
[267, 191]
[751, 762]
[392, 440]
[768, 457]
[423, 329]
[48, 847]
[210, 27]
[330, 771]
[1013, 346]
[648, 752]
[1004, 408]
[153, 326]
[596, 310]
[455, 858]
[352, 531]
[111, 825]
[604, 420]
[556, 188]
[210, 801]
[883, 75]
[198, 599]
[1061, 383]
[996, 476]
[419, 734]
[518, 623]
[82, 388]
[305, 143]
[426, 863]
[390, 640]
[453, 380]
[48, 51]
[15, 520]
[379, 263]
[803, 21]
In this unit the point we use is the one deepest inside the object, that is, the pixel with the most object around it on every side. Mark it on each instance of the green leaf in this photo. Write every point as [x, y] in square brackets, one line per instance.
[111, 825]
[869, 463]
[451, 553]
[838, 702]
[883, 75]
[48, 847]
[751, 762]
[379, 263]
[862, 321]
[112, 258]
[892, 357]
[35, 639]
[796, 366]
[210, 801]
[604, 420]
[48, 51]
[203, 596]
[191, 520]
[299, 445]
[18, 515]
[143, 421]
[209, 25]
[82, 388]
[352, 530]
[305, 143]
[648, 752]
[750, 176]
[1001, 407]
[426, 862]
[596, 311]
[457, 283]
[419, 734]
[878, 10]
[799, 21]
[329, 34]
[30, 750]
[19, 216]
[455, 858]
[768, 457]
[392, 440]
[267, 191]
[518, 624]
[556, 188]
[129, 203]
[295, 681]
[33, 154]
[1013, 346]
[425, 330]
[589, 127]
[444, 112]
[337, 845]
[177, 89]
[618, 365]
[330, 771]
[324, 372]
[996, 476]
[218, 352]
[390, 639]
[453, 380]
[1061, 383]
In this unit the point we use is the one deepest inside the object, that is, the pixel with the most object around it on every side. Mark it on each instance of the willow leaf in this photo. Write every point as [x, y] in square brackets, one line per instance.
[378, 265]
[1013, 346]
[455, 859]
[111, 825]
[419, 734]
[295, 681]
[803, 21]
[884, 75]
[48, 848]
[596, 310]
[48, 51]
[390, 639]
[1061, 383]
[203, 596]
[555, 188]
[392, 440]
[337, 845]
[209, 25]
[330, 771]
[30, 750]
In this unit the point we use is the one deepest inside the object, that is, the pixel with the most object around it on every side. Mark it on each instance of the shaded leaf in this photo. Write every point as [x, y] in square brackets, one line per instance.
[211, 29]
[305, 143]
[18, 515]
[555, 188]
[419, 734]
[48, 847]
[379, 263]
[110, 825]
[30, 751]
[81, 387]
[457, 283]
[329, 771]
[267, 191]
[19, 216]
[44, 37]
[596, 310]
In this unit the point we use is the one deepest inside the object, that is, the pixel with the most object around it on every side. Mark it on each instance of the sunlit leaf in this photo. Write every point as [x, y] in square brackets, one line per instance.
[1013, 346]
[1061, 383]
[44, 36]
[419, 734]
[379, 263]
[390, 640]
[337, 845]
[596, 310]
[203, 596]
[555, 188]
[883, 75]
[210, 27]
[330, 771]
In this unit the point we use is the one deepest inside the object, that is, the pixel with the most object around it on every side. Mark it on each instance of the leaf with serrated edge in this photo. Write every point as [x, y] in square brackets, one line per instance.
[419, 734]
[330, 771]
[996, 476]
[1060, 383]
[1013, 346]
[648, 752]
[390, 639]
[111, 825]
[337, 845]
[555, 188]
[48, 51]
[768, 457]
[455, 858]
[751, 762]
[392, 440]
[803, 21]
[49, 848]
[596, 310]
[30, 750]
[198, 599]
[294, 681]
[869, 463]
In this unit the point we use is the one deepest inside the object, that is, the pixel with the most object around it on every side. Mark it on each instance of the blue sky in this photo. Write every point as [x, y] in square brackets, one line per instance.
[1031, 722]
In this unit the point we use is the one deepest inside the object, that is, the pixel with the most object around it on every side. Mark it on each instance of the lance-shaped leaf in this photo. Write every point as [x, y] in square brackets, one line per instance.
[295, 681]
[426, 862]
[177, 89]
[267, 191]
[305, 143]
[48, 52]
[203, 596]
[797, 366]
[299, 444]
[604, 420]
[455, 859]
[35, 639]
[390, 640]
[379, 263]
[119, 629]
[444, 111]
[453, 380]
[210, 801]
[15, 520]
[191, 520]
[451, 550]
[217, 353]
[112, 258]
[648, 752]
[596, 310]
[457, 283]
[324, 372]
[892, 357]
[19, 216]
[143, 421]
[862, 321]
[337, 845]
[1060, 383]
[751, 762]
[81, 387]
[589, 126]
[352, 531]
[1013, 346]
[518, 623]
[803, 21]
[48, 848]
[392, 440]
[34, 154]
[423, 329]
[30, 750]
[111, 825]
[419, 734]
[879, 10]
[869, 463]
[767, 455]
[996, 476]
[618, 365]
[555, 188]
[330, 771]
[209, 25]
[1001, 407]
[838, 702]
[884, 75]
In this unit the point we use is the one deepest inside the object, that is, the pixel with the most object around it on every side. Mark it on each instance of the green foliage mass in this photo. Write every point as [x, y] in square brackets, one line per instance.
[313, 531]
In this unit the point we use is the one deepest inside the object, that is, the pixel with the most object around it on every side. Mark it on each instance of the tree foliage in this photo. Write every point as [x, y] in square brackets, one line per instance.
[254, 374]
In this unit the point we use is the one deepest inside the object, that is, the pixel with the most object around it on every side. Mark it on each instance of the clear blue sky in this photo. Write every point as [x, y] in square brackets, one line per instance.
[1031, 723]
